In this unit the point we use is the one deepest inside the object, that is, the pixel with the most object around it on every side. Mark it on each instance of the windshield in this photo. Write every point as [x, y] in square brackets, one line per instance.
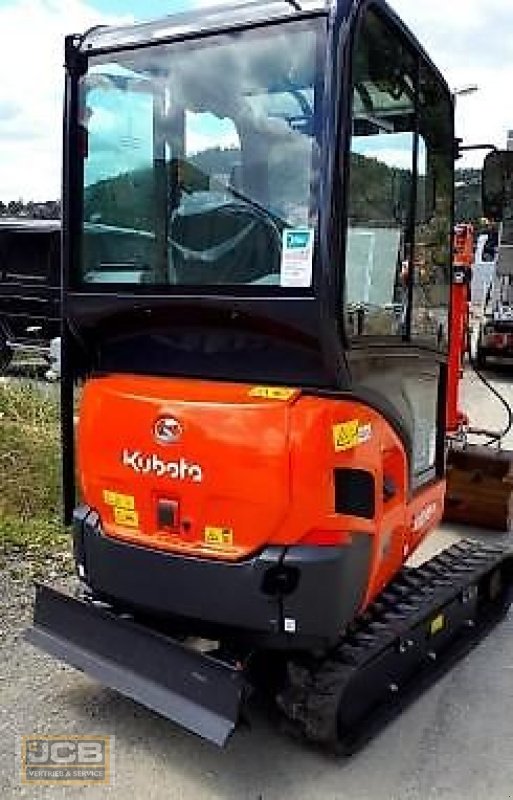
[200, 161]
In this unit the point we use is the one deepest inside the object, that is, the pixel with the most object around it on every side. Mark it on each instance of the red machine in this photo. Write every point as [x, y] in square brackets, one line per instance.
[463, 259]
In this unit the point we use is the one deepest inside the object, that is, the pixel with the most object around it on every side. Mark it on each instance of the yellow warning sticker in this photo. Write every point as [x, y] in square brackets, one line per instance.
[117, 500]
[345, 435]
[126, 517]
[218, 536]
[272, 392]
[437, 624]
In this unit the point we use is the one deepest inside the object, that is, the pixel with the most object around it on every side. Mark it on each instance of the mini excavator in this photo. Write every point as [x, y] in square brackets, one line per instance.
[257, 274]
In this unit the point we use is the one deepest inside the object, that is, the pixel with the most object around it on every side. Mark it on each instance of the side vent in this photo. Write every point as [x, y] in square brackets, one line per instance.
[354, 493]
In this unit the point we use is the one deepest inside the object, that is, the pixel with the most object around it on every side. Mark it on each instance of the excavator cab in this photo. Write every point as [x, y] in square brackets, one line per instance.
[257, 289]
[257, 272]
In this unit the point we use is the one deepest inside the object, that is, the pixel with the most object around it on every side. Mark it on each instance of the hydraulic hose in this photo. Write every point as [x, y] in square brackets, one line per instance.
[496, 438]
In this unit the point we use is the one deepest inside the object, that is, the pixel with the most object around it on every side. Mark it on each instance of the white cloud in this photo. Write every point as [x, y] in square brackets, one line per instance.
[471, 42]
[31, 91]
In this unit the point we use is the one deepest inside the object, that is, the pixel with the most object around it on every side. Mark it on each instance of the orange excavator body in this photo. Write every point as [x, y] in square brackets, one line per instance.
[246, 467]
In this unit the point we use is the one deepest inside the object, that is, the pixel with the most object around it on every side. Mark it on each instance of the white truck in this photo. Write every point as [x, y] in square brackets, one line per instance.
[495, 334]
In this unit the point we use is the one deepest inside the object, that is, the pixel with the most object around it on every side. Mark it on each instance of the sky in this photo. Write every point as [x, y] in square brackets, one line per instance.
[471, 41]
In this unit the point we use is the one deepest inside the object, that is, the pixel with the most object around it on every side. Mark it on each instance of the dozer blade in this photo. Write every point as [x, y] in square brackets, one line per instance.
[197, 691]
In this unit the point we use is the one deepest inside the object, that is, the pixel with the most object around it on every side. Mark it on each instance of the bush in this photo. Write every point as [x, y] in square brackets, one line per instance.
[29, 468]
[29, 453]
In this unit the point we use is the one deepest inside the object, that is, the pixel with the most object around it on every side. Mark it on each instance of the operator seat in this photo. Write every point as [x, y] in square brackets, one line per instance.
[219, 239]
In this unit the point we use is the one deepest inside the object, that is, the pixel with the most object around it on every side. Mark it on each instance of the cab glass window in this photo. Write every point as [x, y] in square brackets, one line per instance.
[380, 182]
[201, 161]
[432, 261]
[398, 247]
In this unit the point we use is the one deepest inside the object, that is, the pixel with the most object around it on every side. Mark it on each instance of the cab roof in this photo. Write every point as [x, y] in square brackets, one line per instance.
[238, 14]
[198, 22]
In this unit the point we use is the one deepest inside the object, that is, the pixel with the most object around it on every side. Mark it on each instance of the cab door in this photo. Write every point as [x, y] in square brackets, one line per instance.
[396, 285]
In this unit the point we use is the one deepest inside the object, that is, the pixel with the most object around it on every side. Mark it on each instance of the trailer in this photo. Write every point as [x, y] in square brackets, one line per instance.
[29, 287]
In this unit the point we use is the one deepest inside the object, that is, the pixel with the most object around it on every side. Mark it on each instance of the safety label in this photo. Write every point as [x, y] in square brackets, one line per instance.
[218, 537]
[126, 517]
[272, 392]
[347, 435]
[118, 500]
[123, 508]
[297, 258]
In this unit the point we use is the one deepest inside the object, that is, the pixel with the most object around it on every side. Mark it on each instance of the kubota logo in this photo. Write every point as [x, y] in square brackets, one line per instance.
[167, 430]
[145, 464]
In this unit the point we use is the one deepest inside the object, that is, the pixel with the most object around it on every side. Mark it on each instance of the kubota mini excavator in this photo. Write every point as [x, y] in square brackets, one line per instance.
[256, 283]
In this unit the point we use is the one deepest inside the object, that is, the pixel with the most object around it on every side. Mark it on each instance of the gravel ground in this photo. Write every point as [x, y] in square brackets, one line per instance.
[454, 743]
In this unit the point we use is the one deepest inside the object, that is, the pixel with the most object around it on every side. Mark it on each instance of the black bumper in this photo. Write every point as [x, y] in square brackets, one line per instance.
[294, 596]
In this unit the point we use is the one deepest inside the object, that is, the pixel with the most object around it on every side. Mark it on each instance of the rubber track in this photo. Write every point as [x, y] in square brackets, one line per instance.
[392, 630]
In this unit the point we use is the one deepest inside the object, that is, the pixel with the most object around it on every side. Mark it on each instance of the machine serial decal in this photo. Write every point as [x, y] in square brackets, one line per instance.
[272, 392]
[218, 536]
[144, 464]
[347, 435]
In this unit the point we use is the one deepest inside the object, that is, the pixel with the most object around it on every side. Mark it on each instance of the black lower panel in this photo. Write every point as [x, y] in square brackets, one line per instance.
[295, 597]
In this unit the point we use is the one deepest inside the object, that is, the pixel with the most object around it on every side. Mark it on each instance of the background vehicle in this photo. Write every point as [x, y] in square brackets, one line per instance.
[257, 275]
[29, 286]
[482, 273]
[495, 336]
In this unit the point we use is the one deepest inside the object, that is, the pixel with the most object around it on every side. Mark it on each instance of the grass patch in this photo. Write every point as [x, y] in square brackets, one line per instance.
[35, 549]
[30, 507]
[28, 402]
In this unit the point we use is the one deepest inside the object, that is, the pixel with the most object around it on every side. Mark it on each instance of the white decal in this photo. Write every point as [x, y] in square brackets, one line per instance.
[364, 433]
[145, 464]
[297, 258]
[289, 625]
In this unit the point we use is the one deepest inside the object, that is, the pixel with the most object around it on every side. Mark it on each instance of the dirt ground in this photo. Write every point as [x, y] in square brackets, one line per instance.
[454, 743]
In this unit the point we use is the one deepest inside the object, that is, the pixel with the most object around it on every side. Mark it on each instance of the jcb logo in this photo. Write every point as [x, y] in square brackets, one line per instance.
[61, 752]
[66, 759]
